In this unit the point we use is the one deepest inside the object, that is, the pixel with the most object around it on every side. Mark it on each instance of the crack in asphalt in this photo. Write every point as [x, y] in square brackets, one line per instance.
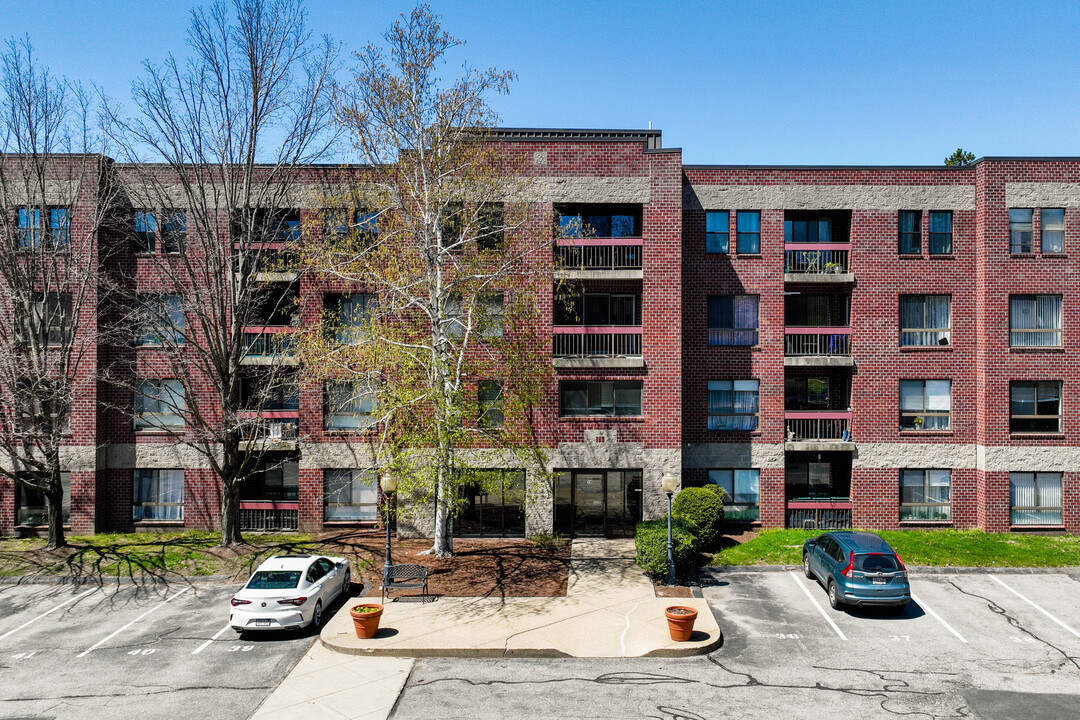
[148, 690]
[1015, 622]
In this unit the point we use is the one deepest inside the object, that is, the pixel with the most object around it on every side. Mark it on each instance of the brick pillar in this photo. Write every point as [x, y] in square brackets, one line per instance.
[83, 505]
[773, 506]
[311, 500]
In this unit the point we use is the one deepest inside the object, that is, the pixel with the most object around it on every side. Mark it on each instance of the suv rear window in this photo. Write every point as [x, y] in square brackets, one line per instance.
[876, 563]
[274, 580]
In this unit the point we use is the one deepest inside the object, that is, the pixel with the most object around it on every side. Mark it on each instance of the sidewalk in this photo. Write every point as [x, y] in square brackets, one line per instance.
[610, 610]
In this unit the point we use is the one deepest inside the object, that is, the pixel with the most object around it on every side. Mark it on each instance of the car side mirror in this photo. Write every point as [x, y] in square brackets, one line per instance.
[340, 565]
[811, 543]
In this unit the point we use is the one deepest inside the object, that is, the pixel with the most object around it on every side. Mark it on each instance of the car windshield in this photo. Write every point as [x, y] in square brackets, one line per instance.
[274, 580]
[876, 563]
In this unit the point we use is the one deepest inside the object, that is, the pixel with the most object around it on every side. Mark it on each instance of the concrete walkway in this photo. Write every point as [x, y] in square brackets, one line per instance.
[610, 610]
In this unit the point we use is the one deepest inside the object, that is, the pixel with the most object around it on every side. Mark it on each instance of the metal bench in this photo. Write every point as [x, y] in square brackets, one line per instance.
[405, 577]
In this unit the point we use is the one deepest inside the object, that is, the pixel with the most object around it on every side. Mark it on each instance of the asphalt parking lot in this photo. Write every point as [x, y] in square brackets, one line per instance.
[135, 651]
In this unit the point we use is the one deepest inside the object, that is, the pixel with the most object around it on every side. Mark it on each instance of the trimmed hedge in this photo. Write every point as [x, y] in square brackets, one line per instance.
[650, 541]
[702, 507]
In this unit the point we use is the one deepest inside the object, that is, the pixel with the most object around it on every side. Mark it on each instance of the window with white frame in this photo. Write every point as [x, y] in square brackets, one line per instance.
[925, 494]
[1020, 231]
[925, 320]
[925, 404]
[158, 495]
[741, 492]
[733, 319]
[351, 495]
[350, 406]
[1034, 321]
[1035, 498]
[159, 405]
[56, 234]
[1035, 407]
[733, 404]
[1052, 230]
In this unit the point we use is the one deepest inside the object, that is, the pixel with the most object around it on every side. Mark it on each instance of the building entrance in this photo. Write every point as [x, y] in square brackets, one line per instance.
[597, 503]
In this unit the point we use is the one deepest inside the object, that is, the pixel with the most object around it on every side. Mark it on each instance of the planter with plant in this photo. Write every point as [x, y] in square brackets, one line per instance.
[680, 622]
[366, 619]
[833, 267]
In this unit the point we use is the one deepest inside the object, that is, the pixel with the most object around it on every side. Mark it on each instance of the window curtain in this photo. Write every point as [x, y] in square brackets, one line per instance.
[1035, 320]
[1053, 230]
[1036, 498]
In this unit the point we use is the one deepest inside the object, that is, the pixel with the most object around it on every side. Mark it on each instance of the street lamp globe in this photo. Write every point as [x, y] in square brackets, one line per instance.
[388, 483]
[669, 482]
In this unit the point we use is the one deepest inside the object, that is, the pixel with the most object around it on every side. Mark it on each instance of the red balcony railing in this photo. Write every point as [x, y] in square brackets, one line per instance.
[599, 253]
[816, 426]
[596, 341]
[829, 341]
[817, 258]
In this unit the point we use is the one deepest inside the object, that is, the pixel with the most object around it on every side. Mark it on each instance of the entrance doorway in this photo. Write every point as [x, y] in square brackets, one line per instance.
[597, 503]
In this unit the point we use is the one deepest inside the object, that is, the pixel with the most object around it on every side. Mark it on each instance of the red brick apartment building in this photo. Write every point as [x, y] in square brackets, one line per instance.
[873, 347]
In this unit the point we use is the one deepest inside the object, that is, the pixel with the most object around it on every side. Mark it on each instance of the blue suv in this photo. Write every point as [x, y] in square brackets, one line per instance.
[857, 568]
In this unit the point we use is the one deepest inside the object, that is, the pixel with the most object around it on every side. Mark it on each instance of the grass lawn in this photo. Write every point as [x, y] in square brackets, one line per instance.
[939, 548]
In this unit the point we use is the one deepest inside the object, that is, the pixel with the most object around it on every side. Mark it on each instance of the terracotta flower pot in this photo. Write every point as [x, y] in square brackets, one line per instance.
[366, 623]
[680, 622]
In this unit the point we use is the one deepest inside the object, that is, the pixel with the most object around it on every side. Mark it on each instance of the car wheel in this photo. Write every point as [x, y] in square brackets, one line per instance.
[834, 597]
[806, 566]
[316, 616]
[346, 585]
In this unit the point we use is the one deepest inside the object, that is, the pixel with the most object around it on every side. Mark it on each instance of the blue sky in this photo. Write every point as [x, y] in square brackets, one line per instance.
[729, 82]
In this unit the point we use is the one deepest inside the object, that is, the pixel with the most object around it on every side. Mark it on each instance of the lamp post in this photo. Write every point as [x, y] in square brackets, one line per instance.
[669, 482]
[388, 483]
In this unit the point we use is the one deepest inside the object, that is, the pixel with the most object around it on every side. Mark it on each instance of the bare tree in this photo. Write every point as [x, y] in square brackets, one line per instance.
[218, 154]
[53, 196]
[444, 364]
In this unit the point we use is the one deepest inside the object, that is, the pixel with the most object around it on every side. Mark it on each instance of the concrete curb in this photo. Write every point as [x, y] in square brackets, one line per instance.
[113, 580]
[919, 569]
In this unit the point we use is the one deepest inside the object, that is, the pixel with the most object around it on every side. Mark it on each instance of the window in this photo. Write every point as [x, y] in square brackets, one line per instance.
[1035, 407]
[336, 223]
[599, 221]
[1035, 498]
[807, 311]
[489, 234]
[31, 508]
[741, 492]
[733, 404]
[806, 393]
[717, 230]
[159, 495]
[350, 406]
[580, 398]
[50, 319]
[925, 320]
[57, 234]
[1020, 233]
[1052, 231]
[1034, 321]
[174, 231]
[280, 481]
[351, 495]
[492, 504]
[924, 494]
[733, 319]
[598, 309]
[348, 315]
[925, 404]
[940, 232]
[43, 406]
[145, 231]
[909, 232]
[160, 320]
[748, 227]
[487, 318]
[489, 394]
[803, 227]
[159, 405]
[451, 225]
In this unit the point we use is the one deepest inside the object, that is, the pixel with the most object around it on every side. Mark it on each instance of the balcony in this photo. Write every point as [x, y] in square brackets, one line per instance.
[819, 513]
[818, 430]
[268, 345]
[818, 263]
[599, 258]
[272, 429]
[817, 346]
[602, 346]
[269, 516]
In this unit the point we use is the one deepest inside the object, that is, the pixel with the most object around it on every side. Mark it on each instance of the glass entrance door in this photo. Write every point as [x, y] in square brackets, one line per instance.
[597, 503]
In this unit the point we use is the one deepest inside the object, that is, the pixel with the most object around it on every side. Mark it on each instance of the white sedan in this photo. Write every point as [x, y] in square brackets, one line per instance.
[288, 592]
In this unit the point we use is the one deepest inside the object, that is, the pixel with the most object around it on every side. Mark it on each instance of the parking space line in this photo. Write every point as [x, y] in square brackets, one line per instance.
[114, 634]
[818, 606]
[47, 612]
[937, 617]
[207, 643]
[999, 582]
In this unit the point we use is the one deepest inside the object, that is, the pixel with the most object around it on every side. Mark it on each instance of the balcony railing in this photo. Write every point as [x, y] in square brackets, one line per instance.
[815, 426]
[833, 514]
[830, 341]
[275, 426]
[597, 341]
[269, 516]
[599, 253]
[268, 341]
[817, 258]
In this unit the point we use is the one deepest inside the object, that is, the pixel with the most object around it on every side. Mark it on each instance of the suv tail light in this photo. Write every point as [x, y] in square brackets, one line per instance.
[903, 567]
[846, 572]
[238, 601]
[293, 601]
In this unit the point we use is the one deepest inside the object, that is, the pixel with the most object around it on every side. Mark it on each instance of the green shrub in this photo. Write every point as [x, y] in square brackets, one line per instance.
[549, 542]
[650, 540]
[703, 508]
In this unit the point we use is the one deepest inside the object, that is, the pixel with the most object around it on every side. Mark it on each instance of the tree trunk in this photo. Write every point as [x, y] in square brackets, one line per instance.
[230, 515]
[54, 499]
[442, 547]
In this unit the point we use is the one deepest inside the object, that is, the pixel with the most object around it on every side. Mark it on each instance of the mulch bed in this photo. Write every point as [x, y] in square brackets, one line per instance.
[478, 568]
